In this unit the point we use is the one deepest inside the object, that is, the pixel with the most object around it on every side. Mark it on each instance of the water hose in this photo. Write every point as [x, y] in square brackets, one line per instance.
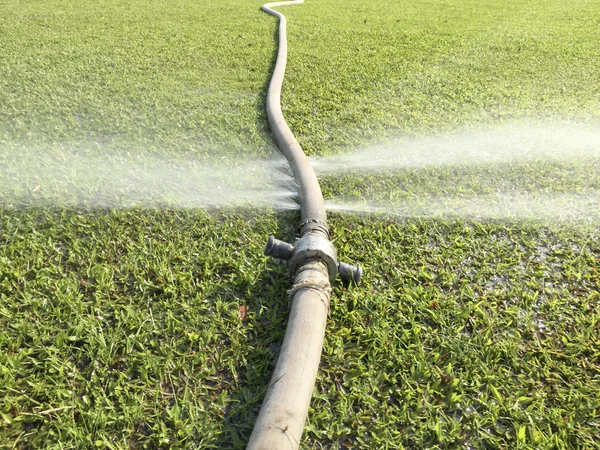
[313, 263]
[311, 199]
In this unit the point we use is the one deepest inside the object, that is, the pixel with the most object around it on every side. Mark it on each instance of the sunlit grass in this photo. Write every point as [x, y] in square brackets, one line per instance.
[147, 328]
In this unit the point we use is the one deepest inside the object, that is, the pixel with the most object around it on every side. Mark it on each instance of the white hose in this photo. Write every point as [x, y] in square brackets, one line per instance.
[284, 410]
[312, 205]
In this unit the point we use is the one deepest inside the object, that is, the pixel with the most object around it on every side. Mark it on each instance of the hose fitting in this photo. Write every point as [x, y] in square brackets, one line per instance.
[313, 246]
[349, 273]
[278, 249]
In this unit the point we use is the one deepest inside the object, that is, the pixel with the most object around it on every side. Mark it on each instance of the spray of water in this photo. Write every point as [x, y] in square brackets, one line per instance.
[520, 143]
[122, 180]
[115, 179]
[487, 174]
[579, 208]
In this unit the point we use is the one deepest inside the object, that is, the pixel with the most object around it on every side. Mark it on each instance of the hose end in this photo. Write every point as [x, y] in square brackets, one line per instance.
[278, 249]
[349, 273]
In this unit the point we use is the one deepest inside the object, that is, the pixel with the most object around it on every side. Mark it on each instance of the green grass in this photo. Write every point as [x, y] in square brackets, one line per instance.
[143, 328]
[164, 76]
[424, 66]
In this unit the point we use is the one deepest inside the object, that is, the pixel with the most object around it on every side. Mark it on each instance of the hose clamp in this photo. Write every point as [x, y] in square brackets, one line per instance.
[312, 225]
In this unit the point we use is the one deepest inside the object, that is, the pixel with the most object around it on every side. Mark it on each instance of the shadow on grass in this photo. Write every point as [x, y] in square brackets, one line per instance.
[268, 307]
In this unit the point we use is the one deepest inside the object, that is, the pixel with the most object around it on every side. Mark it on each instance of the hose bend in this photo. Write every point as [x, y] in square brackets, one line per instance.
[312, 205]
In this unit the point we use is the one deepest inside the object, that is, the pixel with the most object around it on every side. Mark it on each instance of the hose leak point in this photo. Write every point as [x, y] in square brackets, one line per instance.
[310, 247]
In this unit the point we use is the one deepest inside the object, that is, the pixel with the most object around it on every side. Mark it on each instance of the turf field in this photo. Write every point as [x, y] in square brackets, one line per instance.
[158, 328]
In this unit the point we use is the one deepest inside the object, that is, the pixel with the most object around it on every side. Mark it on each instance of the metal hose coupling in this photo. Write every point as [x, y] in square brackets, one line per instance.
[313, 246]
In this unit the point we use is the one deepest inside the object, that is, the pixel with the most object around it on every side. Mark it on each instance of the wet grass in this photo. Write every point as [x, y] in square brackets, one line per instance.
[145, 328]
[466, 334]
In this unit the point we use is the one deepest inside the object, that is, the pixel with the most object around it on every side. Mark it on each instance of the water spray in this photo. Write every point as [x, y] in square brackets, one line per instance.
[314, 265]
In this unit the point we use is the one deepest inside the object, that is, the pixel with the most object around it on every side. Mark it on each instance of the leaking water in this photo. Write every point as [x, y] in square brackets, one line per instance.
[560, 207]
[531, 171]
[122, 180]
[517, 171]
[509, 143]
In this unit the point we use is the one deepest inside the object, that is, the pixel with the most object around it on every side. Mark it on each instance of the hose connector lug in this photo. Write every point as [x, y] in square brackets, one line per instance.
[349, 273]
[278, 249]
[313, 246]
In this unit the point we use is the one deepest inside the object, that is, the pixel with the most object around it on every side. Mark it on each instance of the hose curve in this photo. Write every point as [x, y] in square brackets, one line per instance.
[312, 205]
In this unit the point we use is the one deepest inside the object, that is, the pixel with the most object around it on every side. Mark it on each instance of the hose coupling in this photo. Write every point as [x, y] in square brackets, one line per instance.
[312, 246]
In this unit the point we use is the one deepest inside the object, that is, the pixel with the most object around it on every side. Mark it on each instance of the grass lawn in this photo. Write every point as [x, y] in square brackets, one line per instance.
[158, 328]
